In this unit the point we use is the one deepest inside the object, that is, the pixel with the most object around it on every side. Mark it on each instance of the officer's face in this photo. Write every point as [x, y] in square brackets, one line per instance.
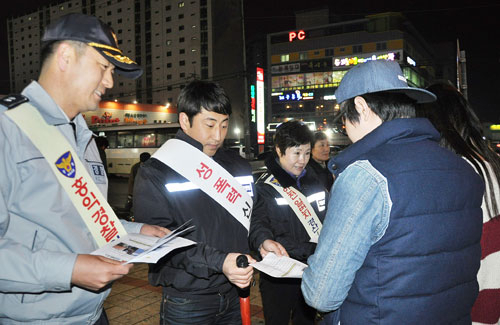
[295, 159]
[208, 128]
[92, 75]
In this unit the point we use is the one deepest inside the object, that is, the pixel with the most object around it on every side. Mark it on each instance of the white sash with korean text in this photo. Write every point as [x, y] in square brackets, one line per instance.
[71, 174]
[300, 206]
[209, 176]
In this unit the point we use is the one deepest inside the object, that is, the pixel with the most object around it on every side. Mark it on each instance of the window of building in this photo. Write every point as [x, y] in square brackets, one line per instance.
[167, 19]
[303, 56]
[182, 62]
[169, 42]
[169, 88]
[181, 16]
[285, 57]
[169, 30]
[180, 4]
[181, 27]
[329, 52]
[204, 61]
[169, 65]
[357, 48]
[182, 74]
[167, 8]
[119, 21]
[169, 53]
[169, 76]
[182, 51]
[381, 46]
[181, 39]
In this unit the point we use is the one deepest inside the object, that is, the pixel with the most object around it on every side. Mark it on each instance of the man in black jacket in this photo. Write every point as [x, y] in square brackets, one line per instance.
[199, 282]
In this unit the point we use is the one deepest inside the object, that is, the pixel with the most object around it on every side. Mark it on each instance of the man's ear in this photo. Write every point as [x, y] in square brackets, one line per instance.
[362, 107]
[278, 151]
[184, 121]
[65, 54]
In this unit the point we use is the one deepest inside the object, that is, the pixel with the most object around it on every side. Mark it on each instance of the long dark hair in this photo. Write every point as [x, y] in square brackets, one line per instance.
[461, 132]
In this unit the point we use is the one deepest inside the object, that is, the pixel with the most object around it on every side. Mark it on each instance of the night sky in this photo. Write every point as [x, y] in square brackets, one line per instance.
[475, 23]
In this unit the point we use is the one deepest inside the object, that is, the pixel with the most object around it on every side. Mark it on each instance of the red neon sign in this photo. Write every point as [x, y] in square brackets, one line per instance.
[300, 35]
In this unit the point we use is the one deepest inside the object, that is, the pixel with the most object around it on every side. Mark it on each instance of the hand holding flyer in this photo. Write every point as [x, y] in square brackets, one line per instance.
[139, 248]
[280, 267]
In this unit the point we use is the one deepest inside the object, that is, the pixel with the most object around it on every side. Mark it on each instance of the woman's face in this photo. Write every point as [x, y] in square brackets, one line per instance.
[321, 150]
[295, 159]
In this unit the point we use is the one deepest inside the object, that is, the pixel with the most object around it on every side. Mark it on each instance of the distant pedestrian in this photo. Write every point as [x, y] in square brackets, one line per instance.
[103, 144]
[143, 157]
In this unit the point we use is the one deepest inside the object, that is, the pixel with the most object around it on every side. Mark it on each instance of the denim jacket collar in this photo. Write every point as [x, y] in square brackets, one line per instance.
[394, 131]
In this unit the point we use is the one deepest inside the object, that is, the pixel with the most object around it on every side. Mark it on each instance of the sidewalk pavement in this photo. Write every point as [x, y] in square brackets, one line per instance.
[134, 301]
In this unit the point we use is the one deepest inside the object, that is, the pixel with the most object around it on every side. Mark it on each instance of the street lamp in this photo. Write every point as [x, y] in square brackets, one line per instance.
[237, 131]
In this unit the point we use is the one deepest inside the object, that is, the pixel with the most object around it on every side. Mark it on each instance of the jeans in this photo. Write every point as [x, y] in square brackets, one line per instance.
[204, 309]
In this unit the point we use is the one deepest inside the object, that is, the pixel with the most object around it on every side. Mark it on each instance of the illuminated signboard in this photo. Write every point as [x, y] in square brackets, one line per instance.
[293, 95]
[261, 127]
[252, 103]
[300, 35]
[353, 60]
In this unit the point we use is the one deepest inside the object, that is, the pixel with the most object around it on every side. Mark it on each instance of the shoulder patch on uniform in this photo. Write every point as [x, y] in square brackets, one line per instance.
[13, 100]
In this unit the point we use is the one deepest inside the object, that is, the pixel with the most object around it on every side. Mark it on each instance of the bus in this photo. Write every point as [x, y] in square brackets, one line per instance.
[127, 142]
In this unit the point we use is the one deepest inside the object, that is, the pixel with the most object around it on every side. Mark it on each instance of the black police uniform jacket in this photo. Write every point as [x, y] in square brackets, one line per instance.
[323, 174]
[196, 269]
[274, 219]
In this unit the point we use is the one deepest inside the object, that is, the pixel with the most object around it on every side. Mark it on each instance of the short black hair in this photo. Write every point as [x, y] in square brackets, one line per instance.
[102, 142]
[387, 105]
[200, 94]
[144, 156]
[48, 48]
[292, 134]
[318, 136]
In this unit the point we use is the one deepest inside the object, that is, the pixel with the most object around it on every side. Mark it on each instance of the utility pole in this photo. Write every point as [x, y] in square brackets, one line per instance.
[463, 68]
[246, 120]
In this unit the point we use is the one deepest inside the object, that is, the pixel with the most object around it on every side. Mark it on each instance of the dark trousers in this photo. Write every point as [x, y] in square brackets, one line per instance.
[282, 299]
[221, 308]
[103, 320]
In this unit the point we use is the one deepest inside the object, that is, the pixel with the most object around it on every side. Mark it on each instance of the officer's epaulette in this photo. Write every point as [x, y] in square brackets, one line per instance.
[13, 100]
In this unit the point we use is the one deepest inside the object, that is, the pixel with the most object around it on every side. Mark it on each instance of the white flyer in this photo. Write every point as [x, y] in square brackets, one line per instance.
[139, 248]
[280, 267]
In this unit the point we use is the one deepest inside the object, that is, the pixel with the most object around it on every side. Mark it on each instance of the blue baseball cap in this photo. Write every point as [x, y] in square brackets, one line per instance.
[376, 76]
[95, 33]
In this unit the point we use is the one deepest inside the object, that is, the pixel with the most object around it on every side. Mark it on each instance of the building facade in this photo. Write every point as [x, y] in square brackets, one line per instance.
[174, 41]
[306, 65]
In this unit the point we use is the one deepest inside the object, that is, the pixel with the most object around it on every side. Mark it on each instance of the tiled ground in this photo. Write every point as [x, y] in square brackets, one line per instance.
[134, 301]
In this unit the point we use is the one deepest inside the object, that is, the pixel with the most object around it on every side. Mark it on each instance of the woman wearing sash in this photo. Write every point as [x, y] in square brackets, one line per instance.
[287, 219]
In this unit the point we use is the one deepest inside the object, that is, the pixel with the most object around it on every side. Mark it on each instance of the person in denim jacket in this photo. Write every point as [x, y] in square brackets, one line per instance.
[401, 240]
